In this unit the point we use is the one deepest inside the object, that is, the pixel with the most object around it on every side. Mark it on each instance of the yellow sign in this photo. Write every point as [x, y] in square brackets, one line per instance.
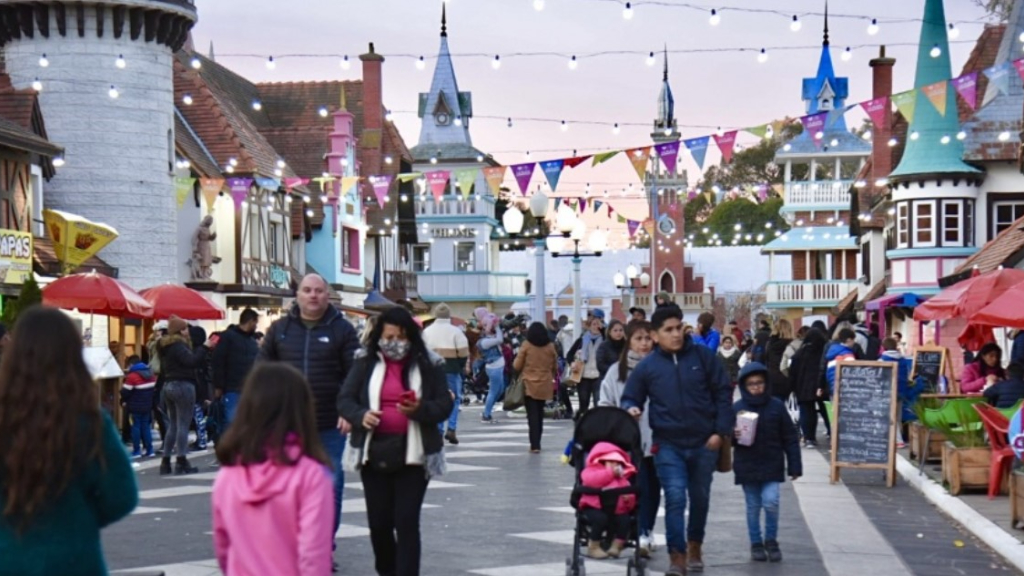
[75, 239]
[15, 256]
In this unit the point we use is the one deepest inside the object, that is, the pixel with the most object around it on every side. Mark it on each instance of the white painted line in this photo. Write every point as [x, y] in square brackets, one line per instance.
[351, 531]
[558, 537]
[197, 568]
[558, 569]
[486, 444]
[456, 467]
[984, 529]
[201, 476]
[483, 454]
[151, 510]
[175, 491]
[434, 485]
[358, 505]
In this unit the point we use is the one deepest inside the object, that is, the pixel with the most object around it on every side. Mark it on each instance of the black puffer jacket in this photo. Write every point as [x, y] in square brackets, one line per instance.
[322, 353]
[435, 405]
[775, 442]
[178, 361]
[608, 353]
[773, 357]
[805, 376]
[233, 359]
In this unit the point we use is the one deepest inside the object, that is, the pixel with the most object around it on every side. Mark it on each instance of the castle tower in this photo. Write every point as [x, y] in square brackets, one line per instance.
[107, 93]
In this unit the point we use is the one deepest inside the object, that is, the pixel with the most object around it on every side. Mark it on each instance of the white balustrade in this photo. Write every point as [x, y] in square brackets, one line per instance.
[818, 291]
[828, 192]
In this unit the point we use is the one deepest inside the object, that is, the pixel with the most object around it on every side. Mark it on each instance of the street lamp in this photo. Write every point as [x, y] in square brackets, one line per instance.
[631, 281]
[575, 230]
[539, 209]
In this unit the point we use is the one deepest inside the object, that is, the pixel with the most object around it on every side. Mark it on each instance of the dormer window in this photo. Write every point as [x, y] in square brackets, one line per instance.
[826, 104]
[442, 111]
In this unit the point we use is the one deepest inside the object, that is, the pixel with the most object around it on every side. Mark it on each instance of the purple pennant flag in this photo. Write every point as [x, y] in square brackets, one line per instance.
[239, 190]
[668, 152]
[698, 147]
[583, 205]
[523, 173]
[967, 87]
[691, 195]
[553, 170]
[632, 225]
[381, 184]
[814, 123]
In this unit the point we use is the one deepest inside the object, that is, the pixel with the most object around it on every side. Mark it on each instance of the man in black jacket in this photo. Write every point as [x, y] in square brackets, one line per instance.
[233, 359]
[320, 343]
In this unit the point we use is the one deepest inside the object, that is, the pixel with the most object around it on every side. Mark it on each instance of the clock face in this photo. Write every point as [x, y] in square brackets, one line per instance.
[442, 119]
[666, 226]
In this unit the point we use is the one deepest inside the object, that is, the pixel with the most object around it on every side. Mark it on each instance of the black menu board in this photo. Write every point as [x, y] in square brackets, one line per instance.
[864, 425]
[929, 364]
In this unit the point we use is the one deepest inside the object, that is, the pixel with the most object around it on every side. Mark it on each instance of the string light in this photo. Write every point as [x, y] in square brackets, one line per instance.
[113, 92]
[271, 64]
[58, 161]
[935, 51]
[257, 105]
[187, 99]
[627, 12]
[496, 63]
[847, 54]
[961, 135]
[873, 27]
[37, 85]
[946, 139]
[44, 62]
[509, 122]
[390, 117]
[538, 5]
[795, 25]
[573, 63]
[120, 62]
[715, 18]
[458, 121]
[893, 142]
[323, 112]
[914, 135]
[196, 63]
[650, 59]
[565, 126]
[421, 64]
[762, 56]
[345, 64]
[954, 32]
[616, 129]
[1004, 136]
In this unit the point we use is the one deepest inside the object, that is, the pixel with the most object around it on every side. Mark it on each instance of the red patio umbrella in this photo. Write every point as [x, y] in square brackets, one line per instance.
[1005, 311]
[965, 298]
[173, 300]
[94, 293]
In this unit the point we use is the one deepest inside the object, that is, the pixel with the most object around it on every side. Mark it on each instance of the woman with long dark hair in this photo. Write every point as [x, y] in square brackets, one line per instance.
[394, 397]
[610, 350]
[537, 362]
[984, 371]
[778, 343]
[807, 382]
[64, 473]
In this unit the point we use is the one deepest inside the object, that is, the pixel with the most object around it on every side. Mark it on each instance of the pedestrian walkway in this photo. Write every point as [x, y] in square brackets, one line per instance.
[501, 511]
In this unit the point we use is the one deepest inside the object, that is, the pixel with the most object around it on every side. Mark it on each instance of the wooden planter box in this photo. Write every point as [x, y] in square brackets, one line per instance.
[1016, 498]
[935, 442]
[965, 467]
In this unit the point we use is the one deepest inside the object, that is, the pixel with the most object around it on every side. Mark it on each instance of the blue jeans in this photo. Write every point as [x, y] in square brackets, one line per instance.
[200, 419]
[455, 385]
[142, 430]
[685, 473]
[762, 496]
[495, 387]
[230, 407]
[334, 444]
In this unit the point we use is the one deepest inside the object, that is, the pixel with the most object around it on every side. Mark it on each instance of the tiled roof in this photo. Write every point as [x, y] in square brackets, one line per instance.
[982, 56]
[21, 122]
[1001, 114]
[1006, 249]
[192, 149]
[15, 136]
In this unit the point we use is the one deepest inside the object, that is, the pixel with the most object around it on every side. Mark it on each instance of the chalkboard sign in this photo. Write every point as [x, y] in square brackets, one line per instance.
[930, 365]
[864, 426]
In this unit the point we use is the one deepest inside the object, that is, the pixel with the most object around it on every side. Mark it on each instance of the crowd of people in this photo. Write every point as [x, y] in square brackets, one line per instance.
[292, 411]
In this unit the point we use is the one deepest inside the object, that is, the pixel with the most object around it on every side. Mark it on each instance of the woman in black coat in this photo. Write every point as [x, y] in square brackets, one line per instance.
[805, 378]
[394, 398]
[610, 350]
[781, 336]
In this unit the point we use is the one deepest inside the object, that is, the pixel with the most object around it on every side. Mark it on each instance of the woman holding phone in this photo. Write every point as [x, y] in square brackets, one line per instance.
[394, 397]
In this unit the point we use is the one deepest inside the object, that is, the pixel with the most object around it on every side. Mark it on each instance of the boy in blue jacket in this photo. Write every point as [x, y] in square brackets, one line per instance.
[761, 467]
[842, 349]
[137, 398]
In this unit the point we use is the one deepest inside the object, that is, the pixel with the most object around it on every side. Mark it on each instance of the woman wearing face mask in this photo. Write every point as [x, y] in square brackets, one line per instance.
[638, 337]
[395, 396]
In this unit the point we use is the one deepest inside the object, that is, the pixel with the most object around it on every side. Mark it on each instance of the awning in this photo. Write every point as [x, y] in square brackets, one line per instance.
[812, 238]
[907, 300]
[46, 263]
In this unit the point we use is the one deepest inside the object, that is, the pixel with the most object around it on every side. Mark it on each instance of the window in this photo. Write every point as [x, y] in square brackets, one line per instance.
[1004, 214]
[255, 225]
[969, 232]
[350, 253]
[421, 258]
[465, 257]
[924, 224]
[275, 242]
[902, 225]
[825, 266]
[170, 149]
[952, 223]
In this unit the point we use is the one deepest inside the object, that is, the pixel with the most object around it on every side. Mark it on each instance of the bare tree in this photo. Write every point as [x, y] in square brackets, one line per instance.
[997, 8]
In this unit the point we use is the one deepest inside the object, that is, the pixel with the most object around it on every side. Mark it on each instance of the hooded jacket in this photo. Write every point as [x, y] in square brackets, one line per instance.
[596, 475]
[907, 393]
[233, 358]
[690, 394]
[178, 361]
[975, 375]
[712, 339]
[773, 357]
[272, 518]
[837, 352]
[804, 368]
[730, 359]
[322, 353]
[776, 441]
[139, 388]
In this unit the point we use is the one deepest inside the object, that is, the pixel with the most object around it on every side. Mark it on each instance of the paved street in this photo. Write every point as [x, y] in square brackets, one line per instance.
[503, 512]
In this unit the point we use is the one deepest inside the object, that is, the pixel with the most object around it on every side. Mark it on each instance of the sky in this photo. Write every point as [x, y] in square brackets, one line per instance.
[714, 83]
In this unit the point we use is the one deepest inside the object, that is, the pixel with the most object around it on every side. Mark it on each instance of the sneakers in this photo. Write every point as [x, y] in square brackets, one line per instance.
[595, 551]
[487, 419]
[450, 437]
[615, 550]
[758, 553]
[810, 444]
[646, 546]
[136, 454]
[150, 453]
[772, 548]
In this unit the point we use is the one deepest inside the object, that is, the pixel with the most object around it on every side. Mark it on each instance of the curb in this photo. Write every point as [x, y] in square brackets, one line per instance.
[1011, 549]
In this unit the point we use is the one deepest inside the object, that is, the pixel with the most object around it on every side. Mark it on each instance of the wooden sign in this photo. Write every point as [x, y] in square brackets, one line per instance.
[865, 418]
[931, 363]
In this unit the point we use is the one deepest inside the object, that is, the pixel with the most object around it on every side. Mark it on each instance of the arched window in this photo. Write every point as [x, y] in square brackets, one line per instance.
[667, 282]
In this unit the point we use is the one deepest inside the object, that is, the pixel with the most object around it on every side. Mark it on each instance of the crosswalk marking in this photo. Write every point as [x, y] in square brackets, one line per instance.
[556, 569]
[151, 510]
[354, 505]
[481, 454]
[199, 476]
[434, 485]
[456, 467]
[174, 491]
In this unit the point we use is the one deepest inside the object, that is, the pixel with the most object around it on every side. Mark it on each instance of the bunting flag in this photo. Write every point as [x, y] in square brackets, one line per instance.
[639, 157]
[967, 87]
[558, 202]
[408, 176]
[466, 177]
[182, 186]
[726, 143]
[576, 161]
[239, 190]
[611, 211]
[268, 183]
[620, 219]
[669, 153]
[603, 157]
[211, 188]
[522, 174]
[698, 148]
[348, 182]
[381, 185]
[878, 110]
[633, 225]
[759, 131]
[553, 170]
[597, 206]
[999, 76]
[494, 175]
[814, 125]
[582, 204]
[936, 94]
[691, 195]
[438, 182]
[906, 103]
[290, 183]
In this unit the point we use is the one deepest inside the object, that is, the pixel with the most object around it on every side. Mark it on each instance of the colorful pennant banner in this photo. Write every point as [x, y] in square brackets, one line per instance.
[211, 188]
[967, 87]
[814, 125]
[726, 144]
[936, 94]
[522, 173]
[553, 170]
[576, 161]
[182, 187]
[494, 175]
[878, 111]
[465, 179]
[603, 157]
[381, 185]
[639, 157]
[438, 182]
[668, 152]
[999, 76]
[239, 190]
[633, 225]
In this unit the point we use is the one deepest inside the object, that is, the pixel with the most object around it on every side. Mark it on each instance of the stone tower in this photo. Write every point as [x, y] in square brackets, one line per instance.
[104, 69]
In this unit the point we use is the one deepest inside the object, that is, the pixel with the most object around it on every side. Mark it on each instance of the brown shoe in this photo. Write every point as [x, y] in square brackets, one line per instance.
[595, 551]
[694, 560]
[615, 550]
[677, 563]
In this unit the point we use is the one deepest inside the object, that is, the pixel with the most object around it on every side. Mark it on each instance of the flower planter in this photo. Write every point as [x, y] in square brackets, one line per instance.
[965, 468]
[1016, 498]
[936, 439]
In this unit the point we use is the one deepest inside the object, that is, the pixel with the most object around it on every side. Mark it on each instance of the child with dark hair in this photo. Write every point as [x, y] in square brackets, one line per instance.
[907, 390]
[137, 398]
[841, 350]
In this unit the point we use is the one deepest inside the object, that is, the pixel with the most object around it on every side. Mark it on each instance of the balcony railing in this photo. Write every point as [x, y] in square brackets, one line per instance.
[829, 192]
[688, 302]
[400, 285]
[454, 206]
[433, 285]
[816, 292]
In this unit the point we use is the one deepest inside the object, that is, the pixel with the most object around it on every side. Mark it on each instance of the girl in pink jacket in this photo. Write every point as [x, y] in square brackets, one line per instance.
[273, 501]
[608, 467]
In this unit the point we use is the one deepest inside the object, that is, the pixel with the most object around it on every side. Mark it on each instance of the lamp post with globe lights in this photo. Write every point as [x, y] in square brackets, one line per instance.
[631, 281]
[574, 230]
[512, 221]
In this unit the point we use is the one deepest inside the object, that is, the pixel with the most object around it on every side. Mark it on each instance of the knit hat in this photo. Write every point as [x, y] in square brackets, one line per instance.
[442, 312]
[176, 325]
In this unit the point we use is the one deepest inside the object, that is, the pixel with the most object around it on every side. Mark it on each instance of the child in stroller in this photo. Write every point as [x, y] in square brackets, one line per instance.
[606, 443]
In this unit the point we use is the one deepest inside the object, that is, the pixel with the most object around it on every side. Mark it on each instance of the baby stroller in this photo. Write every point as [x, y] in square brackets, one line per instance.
[614, 425]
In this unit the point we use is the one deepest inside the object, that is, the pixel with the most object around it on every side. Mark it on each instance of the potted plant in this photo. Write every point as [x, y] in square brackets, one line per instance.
[920, 433]
[966, 457]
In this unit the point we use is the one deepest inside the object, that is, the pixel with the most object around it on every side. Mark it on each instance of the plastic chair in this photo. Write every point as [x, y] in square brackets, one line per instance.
[997, 426]
[1009, 412]
[954, 413]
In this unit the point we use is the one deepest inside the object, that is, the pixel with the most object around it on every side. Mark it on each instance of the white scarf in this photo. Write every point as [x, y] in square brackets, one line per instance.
[414, 445]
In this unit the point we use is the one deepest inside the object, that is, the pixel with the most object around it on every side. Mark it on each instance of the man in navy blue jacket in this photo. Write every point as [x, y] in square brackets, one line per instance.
[690, 414]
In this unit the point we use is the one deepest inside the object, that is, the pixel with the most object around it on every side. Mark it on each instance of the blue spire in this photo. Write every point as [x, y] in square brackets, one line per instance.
[826, 92]
[927, 154]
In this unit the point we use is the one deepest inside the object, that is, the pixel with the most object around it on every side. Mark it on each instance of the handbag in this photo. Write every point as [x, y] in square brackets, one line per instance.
[387, 452]
[725, 456]
[515, 395]
[573, 373]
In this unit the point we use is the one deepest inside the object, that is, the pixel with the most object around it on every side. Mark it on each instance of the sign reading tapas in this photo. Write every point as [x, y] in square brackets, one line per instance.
[454, 233]
[75, 239]
[15, 256]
